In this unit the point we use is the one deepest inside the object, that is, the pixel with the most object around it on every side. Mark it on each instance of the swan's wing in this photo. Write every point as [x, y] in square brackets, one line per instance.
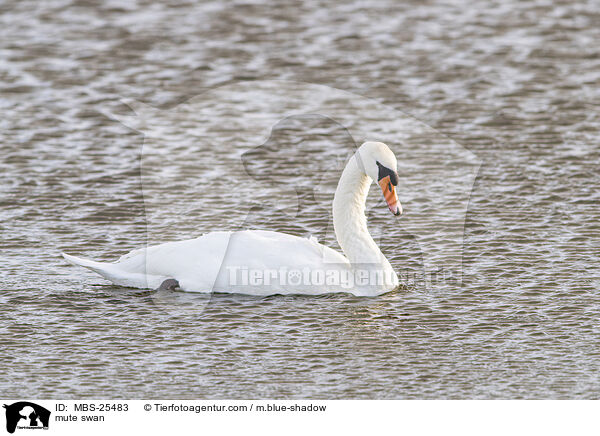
[195, 263]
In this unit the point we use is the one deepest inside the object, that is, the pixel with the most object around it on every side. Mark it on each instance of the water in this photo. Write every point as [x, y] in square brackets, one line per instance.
[515, 84]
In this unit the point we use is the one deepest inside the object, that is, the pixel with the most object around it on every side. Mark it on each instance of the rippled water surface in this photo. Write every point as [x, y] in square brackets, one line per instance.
[498, 101]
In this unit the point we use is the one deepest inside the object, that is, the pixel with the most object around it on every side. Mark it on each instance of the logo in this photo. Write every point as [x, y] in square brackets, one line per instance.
[26, 415]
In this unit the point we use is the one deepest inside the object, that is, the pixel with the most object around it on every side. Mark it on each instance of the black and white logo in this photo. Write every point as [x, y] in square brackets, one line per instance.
[26, 415]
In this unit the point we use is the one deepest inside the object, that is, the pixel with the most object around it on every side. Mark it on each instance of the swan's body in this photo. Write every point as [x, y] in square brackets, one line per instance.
[261, 262]
[219, 260]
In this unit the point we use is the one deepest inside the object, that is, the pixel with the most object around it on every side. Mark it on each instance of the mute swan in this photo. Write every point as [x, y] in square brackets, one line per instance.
[260, 262]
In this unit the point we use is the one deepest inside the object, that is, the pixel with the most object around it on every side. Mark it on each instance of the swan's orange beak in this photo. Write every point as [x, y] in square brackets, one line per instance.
[389, 193]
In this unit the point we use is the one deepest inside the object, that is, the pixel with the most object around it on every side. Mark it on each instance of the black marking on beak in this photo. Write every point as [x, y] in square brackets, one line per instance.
[384, 172]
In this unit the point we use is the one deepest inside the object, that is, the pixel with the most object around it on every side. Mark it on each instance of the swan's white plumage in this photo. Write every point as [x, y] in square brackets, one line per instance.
[206, 264]
[222, 254]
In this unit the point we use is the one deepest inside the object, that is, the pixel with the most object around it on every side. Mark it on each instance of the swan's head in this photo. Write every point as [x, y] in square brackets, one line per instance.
[380, 164]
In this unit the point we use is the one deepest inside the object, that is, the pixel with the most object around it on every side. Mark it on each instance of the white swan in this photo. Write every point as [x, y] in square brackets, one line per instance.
[262, 262]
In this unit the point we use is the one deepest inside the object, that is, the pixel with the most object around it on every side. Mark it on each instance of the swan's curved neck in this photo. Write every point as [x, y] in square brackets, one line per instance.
[349, 220]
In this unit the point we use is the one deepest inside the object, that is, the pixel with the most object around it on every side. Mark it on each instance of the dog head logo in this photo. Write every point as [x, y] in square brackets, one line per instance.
[24, 414]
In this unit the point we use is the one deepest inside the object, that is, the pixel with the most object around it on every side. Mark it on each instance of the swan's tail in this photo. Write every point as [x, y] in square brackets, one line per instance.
[110, 271]
[98, 267]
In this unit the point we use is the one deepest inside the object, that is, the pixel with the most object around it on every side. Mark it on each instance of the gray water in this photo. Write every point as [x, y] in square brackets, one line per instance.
[512, 86]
